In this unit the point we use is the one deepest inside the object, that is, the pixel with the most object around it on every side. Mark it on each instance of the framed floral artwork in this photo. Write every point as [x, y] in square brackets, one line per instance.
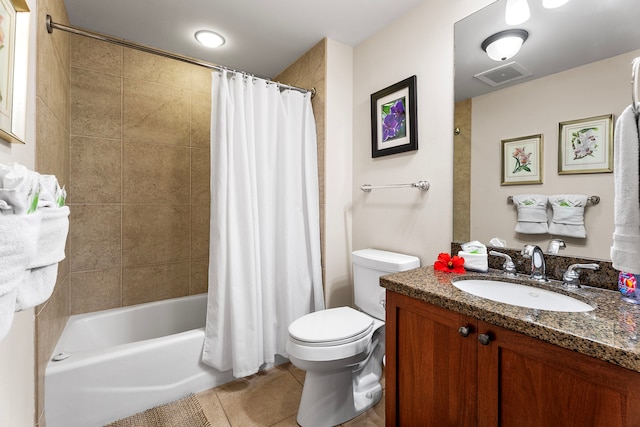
[393, 119]
[14, 47]
[522, 160]
[586, 145]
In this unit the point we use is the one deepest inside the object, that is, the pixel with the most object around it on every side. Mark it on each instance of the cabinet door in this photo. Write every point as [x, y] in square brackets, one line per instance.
[430, 367]
[523, 381]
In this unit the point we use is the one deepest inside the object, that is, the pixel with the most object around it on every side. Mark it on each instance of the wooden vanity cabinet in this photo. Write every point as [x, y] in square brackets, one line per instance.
[438, 374]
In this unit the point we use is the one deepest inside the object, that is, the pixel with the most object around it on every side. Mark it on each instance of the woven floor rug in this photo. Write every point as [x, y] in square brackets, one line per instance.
[185, 412]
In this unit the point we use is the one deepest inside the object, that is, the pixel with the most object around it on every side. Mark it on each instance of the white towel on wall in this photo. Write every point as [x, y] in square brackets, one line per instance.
[625, 251]
[568, 215]
[17, 249]
[532, 213]
[37, 287]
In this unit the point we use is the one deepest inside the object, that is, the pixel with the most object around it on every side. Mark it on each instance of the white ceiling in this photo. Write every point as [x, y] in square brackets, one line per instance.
[263, 37]
[578, 33]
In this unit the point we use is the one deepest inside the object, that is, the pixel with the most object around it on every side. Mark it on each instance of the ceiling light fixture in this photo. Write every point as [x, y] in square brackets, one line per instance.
[552, 4]
[209, 38]
[516, 12]
[505, 44]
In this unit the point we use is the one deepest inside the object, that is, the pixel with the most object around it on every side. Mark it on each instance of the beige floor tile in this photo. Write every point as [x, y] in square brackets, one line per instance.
[374, 417]
[289, 422]
[212, 408]
[263, 399]
[298, 373]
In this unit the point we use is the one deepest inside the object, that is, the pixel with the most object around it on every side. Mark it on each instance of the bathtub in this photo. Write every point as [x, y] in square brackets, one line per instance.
[123, 361]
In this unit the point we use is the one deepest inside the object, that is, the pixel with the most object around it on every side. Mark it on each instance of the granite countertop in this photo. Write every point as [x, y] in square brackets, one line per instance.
[610, 332]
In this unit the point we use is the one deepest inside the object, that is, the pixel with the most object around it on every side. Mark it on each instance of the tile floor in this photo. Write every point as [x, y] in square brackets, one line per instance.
[268, 398]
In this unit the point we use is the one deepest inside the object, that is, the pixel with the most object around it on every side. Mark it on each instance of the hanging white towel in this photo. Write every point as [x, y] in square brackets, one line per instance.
[568, 215]
[532, 213]
[625, 251]
[17, 249]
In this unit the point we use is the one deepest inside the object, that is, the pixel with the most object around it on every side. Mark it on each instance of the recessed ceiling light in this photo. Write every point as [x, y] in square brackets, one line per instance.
[209, 38]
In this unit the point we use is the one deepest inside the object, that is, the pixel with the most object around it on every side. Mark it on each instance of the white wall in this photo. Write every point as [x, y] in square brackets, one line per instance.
[338, 169]
[408, 220]
[17, 349]
[537, 107]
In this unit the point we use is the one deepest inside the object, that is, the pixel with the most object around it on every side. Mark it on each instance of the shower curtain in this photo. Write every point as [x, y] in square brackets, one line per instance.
[264, 258]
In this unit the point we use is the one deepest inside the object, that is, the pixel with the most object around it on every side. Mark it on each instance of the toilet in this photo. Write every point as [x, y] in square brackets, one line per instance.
[342, 349]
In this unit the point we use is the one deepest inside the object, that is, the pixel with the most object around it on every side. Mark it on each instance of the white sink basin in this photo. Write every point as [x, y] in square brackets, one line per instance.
[521, 295]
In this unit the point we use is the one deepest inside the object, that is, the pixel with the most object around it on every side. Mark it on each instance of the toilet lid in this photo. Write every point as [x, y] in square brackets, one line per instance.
[333, 326]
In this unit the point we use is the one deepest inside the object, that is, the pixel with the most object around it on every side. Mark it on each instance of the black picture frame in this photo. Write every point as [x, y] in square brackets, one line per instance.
[394, 131]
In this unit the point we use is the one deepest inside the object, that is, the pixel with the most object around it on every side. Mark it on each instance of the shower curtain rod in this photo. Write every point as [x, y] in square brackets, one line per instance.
[103, 37]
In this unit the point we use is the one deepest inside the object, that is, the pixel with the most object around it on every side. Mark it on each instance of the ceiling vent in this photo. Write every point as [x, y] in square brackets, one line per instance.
[503, 74]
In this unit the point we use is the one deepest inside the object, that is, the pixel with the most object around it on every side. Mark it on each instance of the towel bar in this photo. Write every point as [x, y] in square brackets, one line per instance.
[421, 185]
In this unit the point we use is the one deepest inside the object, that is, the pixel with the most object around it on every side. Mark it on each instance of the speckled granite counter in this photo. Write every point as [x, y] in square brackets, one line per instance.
[610, 332]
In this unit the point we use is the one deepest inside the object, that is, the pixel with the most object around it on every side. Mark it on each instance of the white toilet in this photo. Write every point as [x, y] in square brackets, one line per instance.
[342, 349]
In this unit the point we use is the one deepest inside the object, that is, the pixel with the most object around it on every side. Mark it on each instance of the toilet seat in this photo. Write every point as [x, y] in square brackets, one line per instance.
[334, 326]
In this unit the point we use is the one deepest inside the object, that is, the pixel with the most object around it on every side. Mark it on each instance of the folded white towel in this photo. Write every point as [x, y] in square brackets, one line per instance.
[475, 262]
[52, 237]
[532, 213]
[625, 251]
[37, 287]
[19, 188]
[19, 236]
[568, 215]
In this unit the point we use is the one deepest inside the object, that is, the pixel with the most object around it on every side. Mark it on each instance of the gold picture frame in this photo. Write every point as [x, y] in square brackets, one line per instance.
[522, 160]
[14, 57]
[586, 145]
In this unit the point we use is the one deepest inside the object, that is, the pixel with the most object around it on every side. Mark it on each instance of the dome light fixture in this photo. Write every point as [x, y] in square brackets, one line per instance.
[209, 38]
[552, 4]
[504, 44]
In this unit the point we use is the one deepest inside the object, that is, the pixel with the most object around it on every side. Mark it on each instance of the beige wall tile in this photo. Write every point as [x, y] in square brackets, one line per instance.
[52, 150]
[199, 277]
[96, 55]
[154, 283]
[155, 174]
[201, 119]
[95, 290]
[94, 237]
[156, 114]
[200, 219]
[153, 68]
[201, 80]
[96, 104]
[155, 234]
[96, 170]
[200, 176]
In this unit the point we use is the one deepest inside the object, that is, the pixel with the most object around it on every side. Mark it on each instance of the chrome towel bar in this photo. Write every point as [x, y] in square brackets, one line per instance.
[421, 185]
[594, 200]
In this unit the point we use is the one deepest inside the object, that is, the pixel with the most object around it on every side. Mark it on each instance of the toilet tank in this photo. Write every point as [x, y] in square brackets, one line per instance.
[368, 266]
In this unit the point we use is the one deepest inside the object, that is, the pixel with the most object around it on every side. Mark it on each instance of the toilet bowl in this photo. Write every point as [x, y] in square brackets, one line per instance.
[342, 349]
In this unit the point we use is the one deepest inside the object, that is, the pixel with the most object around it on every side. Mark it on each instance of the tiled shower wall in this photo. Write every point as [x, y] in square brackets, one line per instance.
[139, 177]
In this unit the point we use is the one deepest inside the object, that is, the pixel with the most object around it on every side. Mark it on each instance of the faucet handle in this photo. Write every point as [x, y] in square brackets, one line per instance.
[555, 245]
[571, 277]
[509, 267]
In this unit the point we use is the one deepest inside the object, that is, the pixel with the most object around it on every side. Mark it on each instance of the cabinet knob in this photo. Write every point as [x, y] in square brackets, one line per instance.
[464, 331]
[484, 339]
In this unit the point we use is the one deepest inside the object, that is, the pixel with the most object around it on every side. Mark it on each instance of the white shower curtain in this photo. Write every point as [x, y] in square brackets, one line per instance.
[264, 258]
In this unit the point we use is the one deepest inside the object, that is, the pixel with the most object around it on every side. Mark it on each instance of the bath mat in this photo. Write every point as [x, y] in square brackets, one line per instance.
[185, 412]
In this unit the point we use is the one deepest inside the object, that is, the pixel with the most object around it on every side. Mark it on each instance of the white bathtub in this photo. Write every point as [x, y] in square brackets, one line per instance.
[125, 360]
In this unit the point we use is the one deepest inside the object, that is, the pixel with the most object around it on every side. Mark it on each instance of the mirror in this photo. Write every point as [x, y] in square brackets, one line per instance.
[575, 64]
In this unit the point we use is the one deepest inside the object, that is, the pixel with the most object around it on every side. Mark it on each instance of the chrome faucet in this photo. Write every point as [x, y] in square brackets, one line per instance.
[571, 277]
[508, 267]
[538, 268]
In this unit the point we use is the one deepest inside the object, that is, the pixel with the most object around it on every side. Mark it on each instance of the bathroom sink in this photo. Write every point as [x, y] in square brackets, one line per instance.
[521, 295]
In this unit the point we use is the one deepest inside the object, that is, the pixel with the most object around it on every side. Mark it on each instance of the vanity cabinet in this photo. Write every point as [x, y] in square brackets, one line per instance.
[448, 369]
